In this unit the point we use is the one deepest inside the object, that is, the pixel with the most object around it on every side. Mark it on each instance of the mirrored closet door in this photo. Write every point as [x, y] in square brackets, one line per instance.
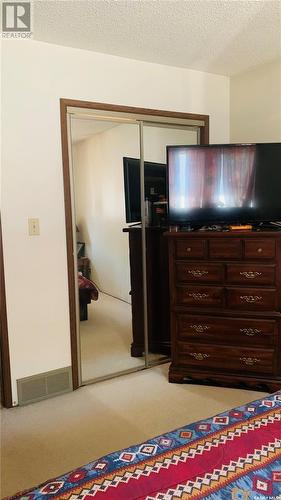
[156, 138]
[119, 185]
[100, 149]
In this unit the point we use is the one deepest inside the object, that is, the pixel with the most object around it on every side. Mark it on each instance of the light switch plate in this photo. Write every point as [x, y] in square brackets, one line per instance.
[33, 227]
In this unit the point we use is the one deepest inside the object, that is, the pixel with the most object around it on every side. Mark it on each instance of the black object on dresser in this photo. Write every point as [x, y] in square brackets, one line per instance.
[225, 291]
[158, 300]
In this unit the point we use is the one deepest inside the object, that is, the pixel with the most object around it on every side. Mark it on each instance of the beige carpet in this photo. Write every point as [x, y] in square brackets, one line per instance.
[106, 339]
[45, 439]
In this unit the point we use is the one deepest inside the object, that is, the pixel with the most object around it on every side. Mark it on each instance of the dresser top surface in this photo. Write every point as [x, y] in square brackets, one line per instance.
[223, 234]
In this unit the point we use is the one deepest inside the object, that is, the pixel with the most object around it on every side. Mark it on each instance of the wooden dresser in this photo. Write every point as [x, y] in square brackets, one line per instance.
[225, 295]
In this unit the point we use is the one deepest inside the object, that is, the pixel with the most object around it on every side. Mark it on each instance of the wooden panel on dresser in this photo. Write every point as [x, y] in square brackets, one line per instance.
[225, 249]
[260, 248]
[198, 272]
[199, 295]
[225, 299]
[190, 249]
[222, 358]
[251, 298]
[250, 274]
[256, 332]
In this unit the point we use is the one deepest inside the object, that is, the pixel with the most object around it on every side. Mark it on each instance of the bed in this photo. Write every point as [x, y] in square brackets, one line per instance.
[87, 292]
[234, 455]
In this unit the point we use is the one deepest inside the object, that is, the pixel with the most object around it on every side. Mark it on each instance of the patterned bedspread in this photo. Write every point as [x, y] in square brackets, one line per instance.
[235, 455]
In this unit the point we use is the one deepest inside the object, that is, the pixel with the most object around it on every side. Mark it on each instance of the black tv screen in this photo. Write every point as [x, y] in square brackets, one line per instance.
[224, 183]
[155, 185]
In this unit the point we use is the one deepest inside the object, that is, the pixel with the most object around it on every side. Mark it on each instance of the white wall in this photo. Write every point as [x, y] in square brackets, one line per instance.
[255, 104]
[100, 198]
[34, 76]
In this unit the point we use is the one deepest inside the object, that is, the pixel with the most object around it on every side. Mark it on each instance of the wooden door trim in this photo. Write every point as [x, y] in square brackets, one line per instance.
[64, 104]
[6, 382]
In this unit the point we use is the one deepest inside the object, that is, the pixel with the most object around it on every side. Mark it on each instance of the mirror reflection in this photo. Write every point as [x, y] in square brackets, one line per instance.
[107, 192]
[155, 140]
[105, 302]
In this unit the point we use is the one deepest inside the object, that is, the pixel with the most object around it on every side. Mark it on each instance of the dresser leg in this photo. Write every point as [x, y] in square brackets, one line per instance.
[175, 377]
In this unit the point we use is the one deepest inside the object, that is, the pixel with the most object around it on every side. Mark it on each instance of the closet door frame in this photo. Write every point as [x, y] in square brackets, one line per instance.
[6, 383]
[68, 106]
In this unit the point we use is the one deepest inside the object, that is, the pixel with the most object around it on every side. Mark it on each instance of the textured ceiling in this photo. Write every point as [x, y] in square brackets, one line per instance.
[218, 36]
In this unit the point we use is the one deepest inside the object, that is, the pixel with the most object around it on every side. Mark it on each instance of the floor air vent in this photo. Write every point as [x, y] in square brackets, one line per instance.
[44, 385]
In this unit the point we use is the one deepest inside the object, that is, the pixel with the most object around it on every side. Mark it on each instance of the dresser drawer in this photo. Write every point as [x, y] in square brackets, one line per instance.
[190, 248]
[186, 272]
[229, 331]
[225, 248]
[199, 296]
[226, 359]
[250, 273]
[251, 298]
[260, 249]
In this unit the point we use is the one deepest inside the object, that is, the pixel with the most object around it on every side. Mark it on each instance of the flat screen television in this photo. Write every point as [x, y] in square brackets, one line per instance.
[224, 183]
[155, 185]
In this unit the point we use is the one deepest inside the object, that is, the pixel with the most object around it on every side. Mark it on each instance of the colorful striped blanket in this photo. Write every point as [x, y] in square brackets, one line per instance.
[235, 455]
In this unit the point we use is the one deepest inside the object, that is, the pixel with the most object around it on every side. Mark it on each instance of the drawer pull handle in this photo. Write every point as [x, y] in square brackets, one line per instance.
[250, 274]
[251, 299]
[259, 250]
[188, 249]
[199, 355]
[196, 273]
[198, 296]
[199, 328]
[250, 331]
[250, 361]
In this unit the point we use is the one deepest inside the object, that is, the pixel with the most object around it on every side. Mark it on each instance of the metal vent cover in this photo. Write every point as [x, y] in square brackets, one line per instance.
[44, 385]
